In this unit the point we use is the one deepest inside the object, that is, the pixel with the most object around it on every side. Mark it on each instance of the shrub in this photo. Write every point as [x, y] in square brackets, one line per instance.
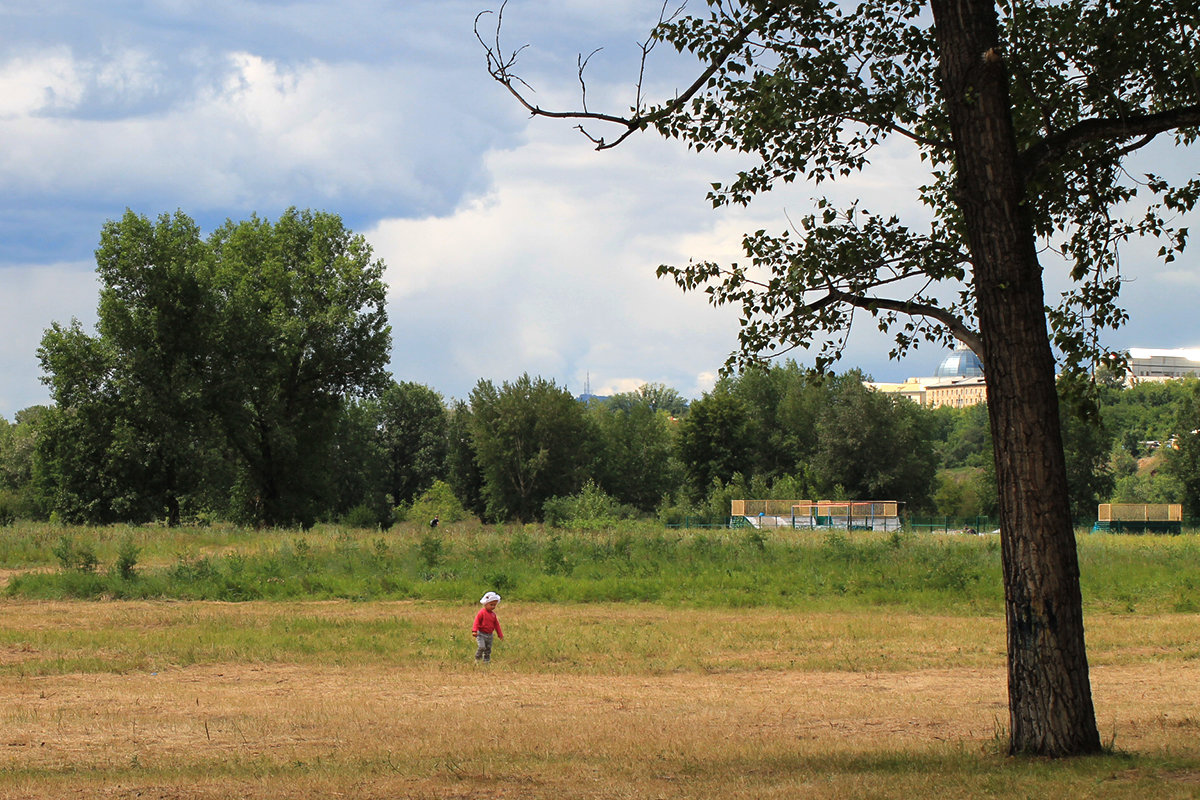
[369, 516]
[431, 549]
[8, 508]
[127, 555]
[591, 507]
[438, 501]
[72, 555]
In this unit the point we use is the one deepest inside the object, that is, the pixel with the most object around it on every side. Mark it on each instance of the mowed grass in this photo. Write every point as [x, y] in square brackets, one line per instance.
[839, 688]
[382, 699]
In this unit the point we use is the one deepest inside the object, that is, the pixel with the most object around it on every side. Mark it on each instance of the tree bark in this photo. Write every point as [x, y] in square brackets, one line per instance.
[1050, 700]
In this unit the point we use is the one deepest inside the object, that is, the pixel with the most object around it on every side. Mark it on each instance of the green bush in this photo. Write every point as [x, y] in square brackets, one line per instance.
[78, 556]
[8, 507]
[437, 501]
[590, 507]
[127, 556]
[369, 516]
[431, 549]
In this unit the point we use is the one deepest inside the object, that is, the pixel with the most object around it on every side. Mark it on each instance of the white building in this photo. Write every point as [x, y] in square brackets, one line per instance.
[1146, 364]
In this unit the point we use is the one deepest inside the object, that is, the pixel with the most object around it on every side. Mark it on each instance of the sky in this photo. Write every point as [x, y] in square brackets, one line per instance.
[511, 245]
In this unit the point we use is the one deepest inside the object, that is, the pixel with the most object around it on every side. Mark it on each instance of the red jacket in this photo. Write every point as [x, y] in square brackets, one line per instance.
[486, 622]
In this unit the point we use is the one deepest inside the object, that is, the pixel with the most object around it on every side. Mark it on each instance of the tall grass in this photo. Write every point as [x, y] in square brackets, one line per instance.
[741, 568]
[721, 568]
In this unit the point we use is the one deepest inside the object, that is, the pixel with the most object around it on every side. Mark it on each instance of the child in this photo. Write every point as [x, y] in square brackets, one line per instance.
[485, 625]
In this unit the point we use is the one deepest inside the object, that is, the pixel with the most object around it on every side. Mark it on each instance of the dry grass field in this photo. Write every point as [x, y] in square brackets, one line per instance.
[381, 700]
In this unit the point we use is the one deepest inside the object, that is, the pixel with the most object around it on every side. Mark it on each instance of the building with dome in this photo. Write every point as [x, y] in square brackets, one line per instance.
[957, 382]
[962, 363]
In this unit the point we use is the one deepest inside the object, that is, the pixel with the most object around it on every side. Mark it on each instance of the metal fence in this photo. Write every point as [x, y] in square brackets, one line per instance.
[952, 524]
[968, 525]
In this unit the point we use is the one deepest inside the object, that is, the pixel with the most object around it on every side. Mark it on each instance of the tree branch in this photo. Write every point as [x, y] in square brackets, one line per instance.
[956, 326]
[902, 131]
[501, 70]
[1146, 126]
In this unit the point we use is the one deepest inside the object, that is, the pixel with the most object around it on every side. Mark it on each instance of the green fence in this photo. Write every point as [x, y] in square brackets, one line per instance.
[690, 523]
[951, 524]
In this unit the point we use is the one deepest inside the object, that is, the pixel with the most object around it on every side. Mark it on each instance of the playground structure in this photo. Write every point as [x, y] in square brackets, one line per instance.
[867, 515]
[1139, 517]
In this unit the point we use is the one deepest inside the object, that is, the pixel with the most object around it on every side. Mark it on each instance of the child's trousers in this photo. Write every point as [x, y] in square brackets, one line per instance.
[483, 651]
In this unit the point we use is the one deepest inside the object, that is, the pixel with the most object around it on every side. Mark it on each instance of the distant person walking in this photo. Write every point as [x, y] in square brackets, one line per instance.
[486, 626]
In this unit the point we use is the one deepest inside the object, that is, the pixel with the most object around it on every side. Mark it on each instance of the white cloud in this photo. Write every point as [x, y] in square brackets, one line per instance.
[37, 84]
[552, 272]
[33, 297]
[342, 136]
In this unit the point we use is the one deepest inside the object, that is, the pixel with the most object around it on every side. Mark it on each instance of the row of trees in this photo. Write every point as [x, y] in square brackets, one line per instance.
[113, 453]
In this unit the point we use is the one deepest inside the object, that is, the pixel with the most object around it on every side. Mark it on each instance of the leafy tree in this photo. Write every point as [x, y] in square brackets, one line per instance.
[966, 484]
[1143, 412]
[18, 452]
[964, 437]
[413, 428]
[762, 391]
[300, 325]
[217, 364]
[155, 313]
[532, 442]
[1087, 447]
[358, 485]
[636, 462]
[1025, 114]
[801, 403]
[714, 441]
[75, 466]
[969, 492]
[873, 445]
[464, 474]
[655, 396]
[1183, 463]
[1159, 482]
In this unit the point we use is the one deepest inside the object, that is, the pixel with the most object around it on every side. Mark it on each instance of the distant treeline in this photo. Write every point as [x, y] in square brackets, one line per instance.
[242, 377]
[527, 450]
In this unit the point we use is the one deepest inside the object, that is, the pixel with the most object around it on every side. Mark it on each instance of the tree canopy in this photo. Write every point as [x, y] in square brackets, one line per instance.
[230, 353]
[811, 89]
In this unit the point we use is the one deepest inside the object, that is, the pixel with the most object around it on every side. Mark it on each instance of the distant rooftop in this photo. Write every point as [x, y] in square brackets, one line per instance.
[1191, 354]
[962, 363]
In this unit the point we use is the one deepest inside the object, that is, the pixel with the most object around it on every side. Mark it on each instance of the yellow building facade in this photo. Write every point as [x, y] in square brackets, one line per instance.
[957, 383]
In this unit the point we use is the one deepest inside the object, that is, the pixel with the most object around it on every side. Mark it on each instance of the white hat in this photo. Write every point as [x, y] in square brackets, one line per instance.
[489, 597]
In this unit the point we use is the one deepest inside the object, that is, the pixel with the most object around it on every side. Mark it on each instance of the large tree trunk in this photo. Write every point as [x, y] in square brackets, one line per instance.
[1050, 700]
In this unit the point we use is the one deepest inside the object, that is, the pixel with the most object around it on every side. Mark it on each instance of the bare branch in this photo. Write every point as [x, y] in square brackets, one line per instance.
[501, 69]
[583, 62]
